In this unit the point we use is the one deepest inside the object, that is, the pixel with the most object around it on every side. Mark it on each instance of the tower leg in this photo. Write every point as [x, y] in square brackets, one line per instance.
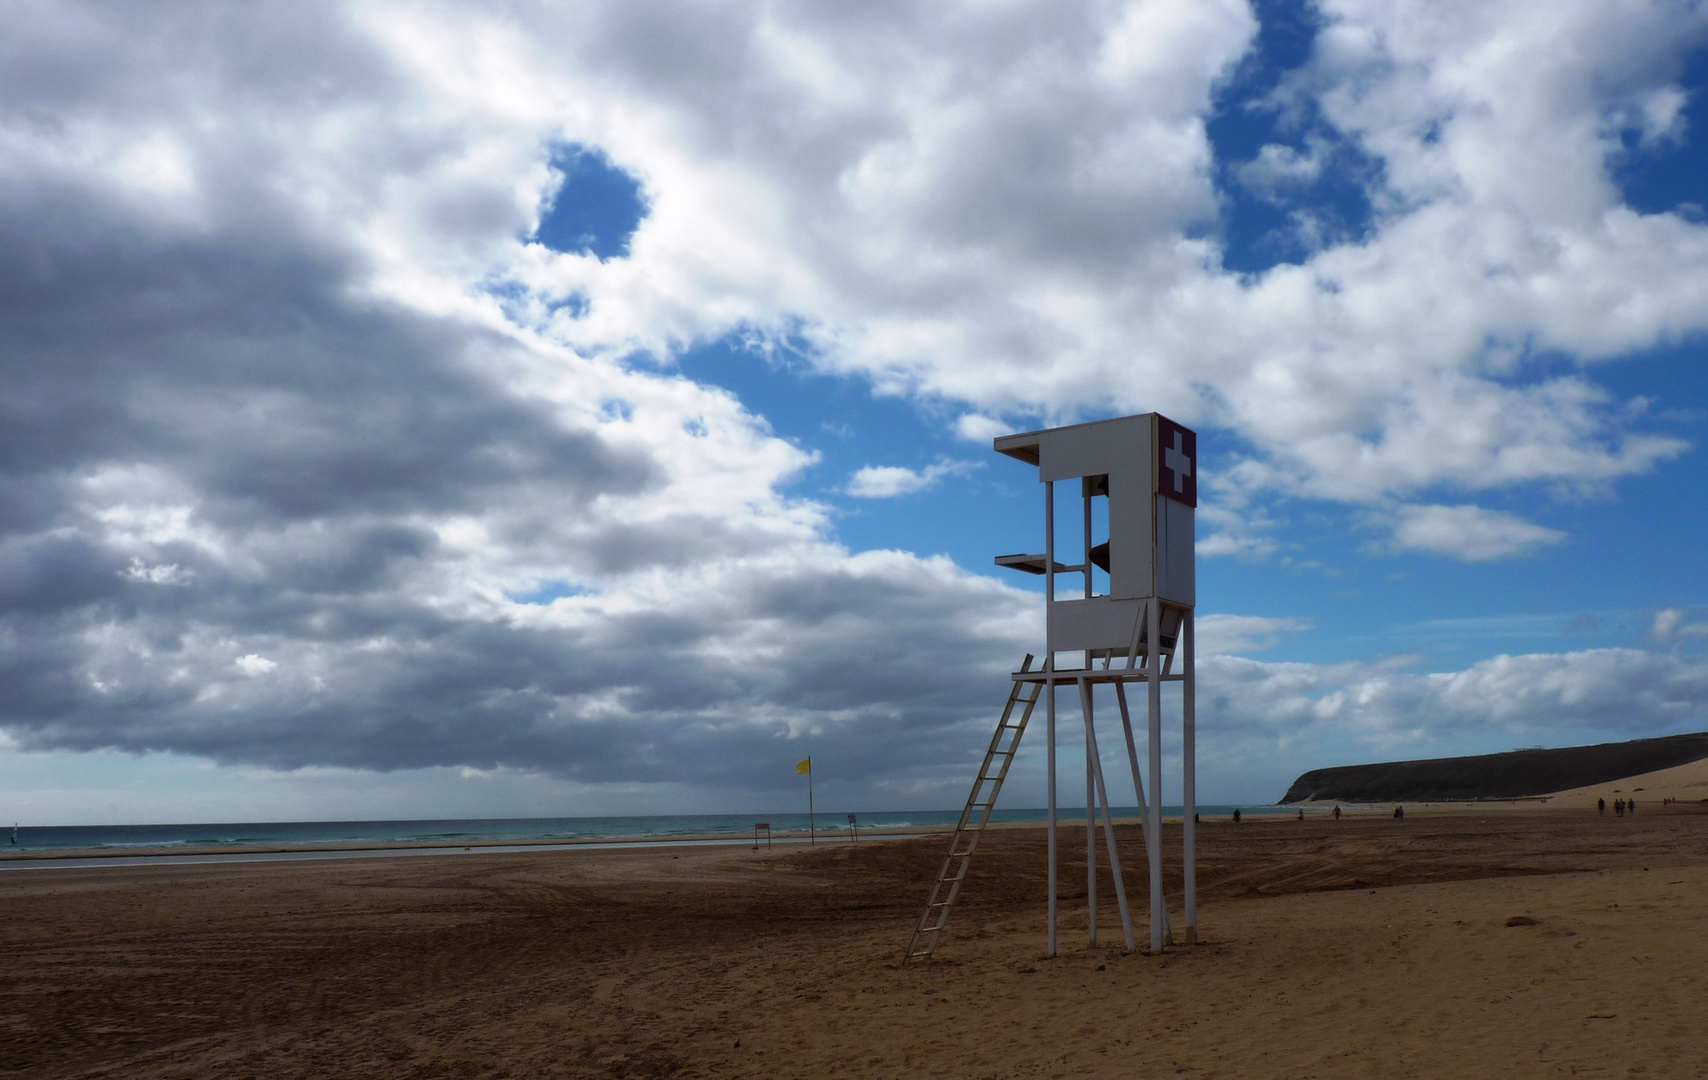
[1159, 904]
[1050, 668]
[1189, 777]
[1050, 772]
[1108, 821]
[1090, 812]
[1138, 779]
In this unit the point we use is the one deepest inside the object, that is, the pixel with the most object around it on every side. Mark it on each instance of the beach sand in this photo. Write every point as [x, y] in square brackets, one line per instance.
[1683, 783]
[1361, 948]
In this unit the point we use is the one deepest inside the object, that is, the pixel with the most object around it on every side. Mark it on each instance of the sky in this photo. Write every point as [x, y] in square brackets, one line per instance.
[417, 410]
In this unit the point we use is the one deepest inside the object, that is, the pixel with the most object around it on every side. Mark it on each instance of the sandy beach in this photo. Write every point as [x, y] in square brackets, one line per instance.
[1360, 948]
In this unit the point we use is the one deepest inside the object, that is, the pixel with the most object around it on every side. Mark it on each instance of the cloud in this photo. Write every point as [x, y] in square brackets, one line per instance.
[1624, 693]
[253, 665]
[1278, 168]
[1674, 624]
[1070, 282]
[894, 195]
[163, 574]
[888, 481]
[977, 427]
[1470, 533]
[1229, 634]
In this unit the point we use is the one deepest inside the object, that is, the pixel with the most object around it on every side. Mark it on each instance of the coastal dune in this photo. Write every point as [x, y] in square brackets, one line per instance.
[1532, 944]
[1515, 774]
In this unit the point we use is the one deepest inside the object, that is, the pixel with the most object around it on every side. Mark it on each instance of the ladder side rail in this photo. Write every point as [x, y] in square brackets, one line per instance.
[1019, 730]
[996, 781]
[964, 855]
[974, 831]
[956, 852]
[996, 749]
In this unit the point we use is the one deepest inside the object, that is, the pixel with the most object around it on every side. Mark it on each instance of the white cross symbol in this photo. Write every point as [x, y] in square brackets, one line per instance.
[1178, 463]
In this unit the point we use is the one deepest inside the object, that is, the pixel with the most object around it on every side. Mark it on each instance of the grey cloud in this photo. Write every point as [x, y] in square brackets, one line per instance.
[228, 369]
[651, 696]
[239, 361]
[40, 574]
[129, 62]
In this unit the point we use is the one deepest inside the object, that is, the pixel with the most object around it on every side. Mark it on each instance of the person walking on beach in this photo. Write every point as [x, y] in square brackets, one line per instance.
[1337, 813]
[1618, 807]
[1601, 806]
[1236, 815]
[1631, 805]
[1399, 813]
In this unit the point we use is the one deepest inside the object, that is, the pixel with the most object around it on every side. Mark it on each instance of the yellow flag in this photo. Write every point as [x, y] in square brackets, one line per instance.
[804, 767]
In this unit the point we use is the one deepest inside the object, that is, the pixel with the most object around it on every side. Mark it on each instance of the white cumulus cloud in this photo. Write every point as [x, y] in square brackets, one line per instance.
[254, 664]
[1470, 533]
[888, 481]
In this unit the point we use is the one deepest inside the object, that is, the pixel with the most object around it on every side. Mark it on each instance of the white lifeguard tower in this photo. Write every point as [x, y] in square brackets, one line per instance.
[1145, 467]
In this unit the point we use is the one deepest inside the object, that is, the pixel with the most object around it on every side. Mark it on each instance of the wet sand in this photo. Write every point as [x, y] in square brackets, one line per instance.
[1365, 947]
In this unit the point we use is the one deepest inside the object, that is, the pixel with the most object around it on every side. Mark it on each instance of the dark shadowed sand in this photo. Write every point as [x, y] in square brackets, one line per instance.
[1363, 948]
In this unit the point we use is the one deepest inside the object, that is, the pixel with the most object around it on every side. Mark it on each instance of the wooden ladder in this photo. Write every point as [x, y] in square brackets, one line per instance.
[980, 801]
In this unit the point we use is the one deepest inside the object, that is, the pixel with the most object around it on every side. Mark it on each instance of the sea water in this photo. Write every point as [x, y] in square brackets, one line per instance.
[457, 833]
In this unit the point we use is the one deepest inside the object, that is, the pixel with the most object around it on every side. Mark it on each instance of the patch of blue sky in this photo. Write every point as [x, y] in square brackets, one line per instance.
[596, 208]
[1336, 566]
[1290, 182]
[973, 513]
[1671, 174]
[545, 592]
[523, 306]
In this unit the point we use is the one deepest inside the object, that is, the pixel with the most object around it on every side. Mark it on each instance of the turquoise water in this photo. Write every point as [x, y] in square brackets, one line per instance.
[457, 832]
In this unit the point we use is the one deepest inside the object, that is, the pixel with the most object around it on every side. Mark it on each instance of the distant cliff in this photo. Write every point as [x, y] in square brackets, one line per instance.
[1512, 775]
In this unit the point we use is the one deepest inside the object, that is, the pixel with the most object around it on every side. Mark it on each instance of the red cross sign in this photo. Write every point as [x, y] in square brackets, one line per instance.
[1177, 461]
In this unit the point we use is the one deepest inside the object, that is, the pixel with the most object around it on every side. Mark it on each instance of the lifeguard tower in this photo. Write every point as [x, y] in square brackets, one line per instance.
[1137, 629]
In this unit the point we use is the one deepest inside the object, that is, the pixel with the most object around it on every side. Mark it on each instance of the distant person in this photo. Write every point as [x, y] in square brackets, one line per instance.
[1194, 817]
[1337, 813]
[1399, 812]
[1618, 807]
[1631, 805]
[1601, 806]
[1301, 815]
[1236, 815]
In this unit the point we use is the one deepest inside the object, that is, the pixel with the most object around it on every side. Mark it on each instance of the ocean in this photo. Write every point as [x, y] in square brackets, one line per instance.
[456, 833]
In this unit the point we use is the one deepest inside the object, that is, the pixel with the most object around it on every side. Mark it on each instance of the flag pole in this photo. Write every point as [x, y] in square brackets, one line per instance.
[812, 826]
